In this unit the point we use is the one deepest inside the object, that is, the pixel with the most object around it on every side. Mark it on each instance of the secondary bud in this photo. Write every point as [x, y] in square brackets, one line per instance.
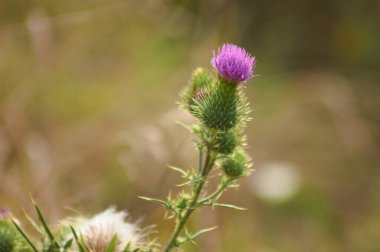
[226, 142]
[196, 90]
[220, 109]
[183, 200]
[236, 165]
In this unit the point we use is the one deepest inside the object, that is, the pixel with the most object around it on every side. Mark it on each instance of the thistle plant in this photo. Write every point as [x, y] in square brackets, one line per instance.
[221, 111]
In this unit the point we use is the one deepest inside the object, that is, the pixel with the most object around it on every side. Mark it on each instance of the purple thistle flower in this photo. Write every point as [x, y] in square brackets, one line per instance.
[233, 63]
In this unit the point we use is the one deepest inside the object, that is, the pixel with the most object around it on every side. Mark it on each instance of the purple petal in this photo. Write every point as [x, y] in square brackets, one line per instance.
[233, 63]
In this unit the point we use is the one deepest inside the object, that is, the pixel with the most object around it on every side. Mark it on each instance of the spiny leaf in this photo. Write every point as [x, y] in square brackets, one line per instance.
[184, 173]
[193, 236]
[53, 248]
[81, 248]
[34, 224]
[67, 244]
[81, 239]
[159, 201]
[112, 245]
[127, 247]
[186, 126]
[202, 231]
[24, 235]
[185, 183]
[216, 204]
[44, 225]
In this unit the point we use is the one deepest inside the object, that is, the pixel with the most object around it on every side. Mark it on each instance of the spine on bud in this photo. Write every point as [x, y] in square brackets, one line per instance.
[197, 90]
[219, 110]
[236, 165]
[226, 142]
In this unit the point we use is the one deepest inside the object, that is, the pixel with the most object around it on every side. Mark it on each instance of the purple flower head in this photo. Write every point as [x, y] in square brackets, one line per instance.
[233, 63]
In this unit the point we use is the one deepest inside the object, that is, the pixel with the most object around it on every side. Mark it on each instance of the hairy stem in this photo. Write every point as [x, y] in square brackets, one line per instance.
[207, 166]
[222, 187]
[200, 158]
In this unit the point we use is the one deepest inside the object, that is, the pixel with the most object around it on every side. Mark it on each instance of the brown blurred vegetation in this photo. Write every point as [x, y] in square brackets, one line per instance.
[87, 113]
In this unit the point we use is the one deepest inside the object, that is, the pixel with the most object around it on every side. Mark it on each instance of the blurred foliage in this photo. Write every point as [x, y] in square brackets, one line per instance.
[87, 112]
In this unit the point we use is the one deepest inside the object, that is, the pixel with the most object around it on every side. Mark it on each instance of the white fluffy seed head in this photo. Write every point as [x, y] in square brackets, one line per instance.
[99, 231]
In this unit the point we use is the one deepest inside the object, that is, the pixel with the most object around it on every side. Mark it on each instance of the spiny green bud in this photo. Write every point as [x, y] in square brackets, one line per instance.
[197, 89]
[196, 129]
[7, 237]
[223, 108]
[219, 110]
[183, 200]
[10, 238]
[226, 142]
[236, 165]
[200, 79]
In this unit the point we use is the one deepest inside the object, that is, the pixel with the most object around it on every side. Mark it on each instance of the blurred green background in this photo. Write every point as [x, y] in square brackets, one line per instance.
[87, 114]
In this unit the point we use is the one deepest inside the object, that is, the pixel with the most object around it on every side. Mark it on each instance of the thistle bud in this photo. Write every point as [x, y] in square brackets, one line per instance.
[220, 109]
[6, 241]
[236, 165]
[10, 240]
[200, 78]
[226, 142]
[197, 89]
[183, 200]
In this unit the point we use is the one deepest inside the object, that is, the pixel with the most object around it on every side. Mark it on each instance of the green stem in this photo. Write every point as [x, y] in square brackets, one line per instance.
[200, 159]
[208, 164]
[217, 193]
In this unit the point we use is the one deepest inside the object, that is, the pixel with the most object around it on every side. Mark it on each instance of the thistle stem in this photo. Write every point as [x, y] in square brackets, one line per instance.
[218, 192]
[200, 159]
[208, 164]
